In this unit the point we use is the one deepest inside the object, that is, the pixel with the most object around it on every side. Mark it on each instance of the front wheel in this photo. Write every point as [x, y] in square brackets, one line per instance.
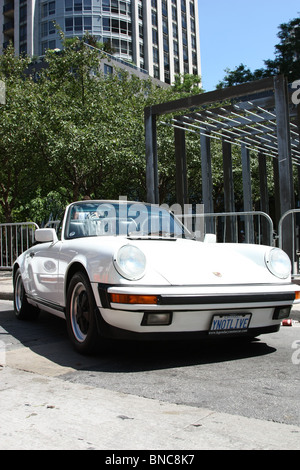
[81, 315]
[23, 310]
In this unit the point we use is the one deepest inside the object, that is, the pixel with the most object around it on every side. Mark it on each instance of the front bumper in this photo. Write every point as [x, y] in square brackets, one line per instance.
[192, 309]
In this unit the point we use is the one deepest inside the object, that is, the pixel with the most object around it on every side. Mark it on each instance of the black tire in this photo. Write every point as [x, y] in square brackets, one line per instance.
[81, 315]
[23, 310]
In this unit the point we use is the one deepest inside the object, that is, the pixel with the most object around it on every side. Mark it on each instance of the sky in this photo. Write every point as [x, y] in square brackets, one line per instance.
[234, 32]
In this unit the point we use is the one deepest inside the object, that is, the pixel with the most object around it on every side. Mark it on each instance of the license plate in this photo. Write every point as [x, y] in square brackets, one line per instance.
[226, 324]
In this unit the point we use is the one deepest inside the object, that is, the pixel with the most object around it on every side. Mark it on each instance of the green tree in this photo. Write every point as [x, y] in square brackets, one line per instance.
[241, 74]
[287, 52]
[187, 83]
[94, 139]
[75, 132]
[18, 169]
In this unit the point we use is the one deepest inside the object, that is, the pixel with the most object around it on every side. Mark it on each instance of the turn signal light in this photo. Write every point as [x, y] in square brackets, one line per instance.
[133, 299]
[297, 295]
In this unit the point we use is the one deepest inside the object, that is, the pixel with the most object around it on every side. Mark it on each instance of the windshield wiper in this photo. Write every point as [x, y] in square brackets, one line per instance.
[152, 236]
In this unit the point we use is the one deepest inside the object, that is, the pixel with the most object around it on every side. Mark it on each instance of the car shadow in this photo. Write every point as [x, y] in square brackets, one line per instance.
[47, 337]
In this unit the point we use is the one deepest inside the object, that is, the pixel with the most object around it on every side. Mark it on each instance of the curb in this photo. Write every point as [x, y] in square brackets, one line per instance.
[6, 296]
[6, 286]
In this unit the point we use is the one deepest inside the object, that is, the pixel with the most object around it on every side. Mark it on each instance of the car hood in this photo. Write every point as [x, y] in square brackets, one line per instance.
[188, 262]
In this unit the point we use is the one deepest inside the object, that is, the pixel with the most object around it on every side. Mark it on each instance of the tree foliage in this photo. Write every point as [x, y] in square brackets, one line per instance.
[17, 159]
[73, 132]
[241, 74]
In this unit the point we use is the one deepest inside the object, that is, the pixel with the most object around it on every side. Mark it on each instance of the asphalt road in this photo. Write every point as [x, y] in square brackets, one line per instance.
[258, 380]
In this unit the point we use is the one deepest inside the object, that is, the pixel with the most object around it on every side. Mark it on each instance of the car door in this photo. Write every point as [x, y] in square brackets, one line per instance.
[42, 262]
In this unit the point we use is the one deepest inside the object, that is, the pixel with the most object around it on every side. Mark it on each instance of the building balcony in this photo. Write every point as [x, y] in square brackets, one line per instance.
[8, 28]
[8, 9]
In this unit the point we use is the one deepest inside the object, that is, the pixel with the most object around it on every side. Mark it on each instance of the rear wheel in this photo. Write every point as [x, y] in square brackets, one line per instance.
[81, 315]
[23, 310]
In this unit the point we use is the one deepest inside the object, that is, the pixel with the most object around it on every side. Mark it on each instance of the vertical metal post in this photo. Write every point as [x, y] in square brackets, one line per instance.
[298, 192]
[207, 187]
[263, 183]
[298, 167]
[285, 171]
[284, 145]
[181, 173]
[247, 193]
[155, 160]
[276, 190]
[264, 196]
[229, 205]
[151, 156]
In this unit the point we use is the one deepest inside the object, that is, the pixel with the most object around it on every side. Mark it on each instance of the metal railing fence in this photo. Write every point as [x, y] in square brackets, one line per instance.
[294, 230]
[14, 239]
[232, 227]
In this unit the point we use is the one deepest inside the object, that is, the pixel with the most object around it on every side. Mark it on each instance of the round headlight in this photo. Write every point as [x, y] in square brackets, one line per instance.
[278, 263]
[130, 262]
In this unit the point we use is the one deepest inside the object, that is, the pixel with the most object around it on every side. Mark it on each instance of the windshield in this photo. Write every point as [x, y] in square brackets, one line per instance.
[94, 218]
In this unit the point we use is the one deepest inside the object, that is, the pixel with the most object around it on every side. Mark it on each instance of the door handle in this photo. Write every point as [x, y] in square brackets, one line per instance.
[31, 254]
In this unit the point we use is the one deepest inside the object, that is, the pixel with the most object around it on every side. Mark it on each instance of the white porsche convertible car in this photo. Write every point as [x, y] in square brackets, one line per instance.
[121, 269]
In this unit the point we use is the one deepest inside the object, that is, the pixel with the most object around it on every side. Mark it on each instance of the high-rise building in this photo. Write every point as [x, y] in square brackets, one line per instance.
[159, 36]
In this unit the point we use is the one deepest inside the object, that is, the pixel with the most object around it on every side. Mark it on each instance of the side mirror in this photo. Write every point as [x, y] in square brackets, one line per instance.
[210, 238]
[43, 235]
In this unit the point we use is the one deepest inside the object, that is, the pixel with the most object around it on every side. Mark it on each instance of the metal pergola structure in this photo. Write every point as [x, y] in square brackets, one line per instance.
[258, 116]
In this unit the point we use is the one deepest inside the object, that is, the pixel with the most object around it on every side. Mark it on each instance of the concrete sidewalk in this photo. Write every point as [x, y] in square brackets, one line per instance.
[6, 286]
[48, 413]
